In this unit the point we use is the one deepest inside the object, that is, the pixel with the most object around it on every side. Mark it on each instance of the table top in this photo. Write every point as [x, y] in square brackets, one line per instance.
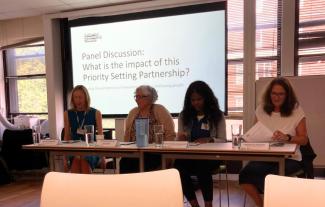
[207, 148]
[224, 148]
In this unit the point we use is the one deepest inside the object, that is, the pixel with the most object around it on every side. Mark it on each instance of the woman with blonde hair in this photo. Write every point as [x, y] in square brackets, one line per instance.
[79, 115]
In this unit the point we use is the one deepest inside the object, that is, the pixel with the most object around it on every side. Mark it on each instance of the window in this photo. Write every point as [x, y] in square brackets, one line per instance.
[311, 38]
[267, 38]
[268, 24]
[25, 80]
[235, 55]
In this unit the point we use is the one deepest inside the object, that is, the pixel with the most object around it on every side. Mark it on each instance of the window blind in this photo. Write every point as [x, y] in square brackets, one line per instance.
[311, 37]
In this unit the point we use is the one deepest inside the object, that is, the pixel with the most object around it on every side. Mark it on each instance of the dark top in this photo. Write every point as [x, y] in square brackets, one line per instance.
[78, 119]
[200, 129]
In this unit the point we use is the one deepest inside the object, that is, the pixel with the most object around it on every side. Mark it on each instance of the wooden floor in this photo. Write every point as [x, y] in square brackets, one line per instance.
[26, 191]
[21, 193]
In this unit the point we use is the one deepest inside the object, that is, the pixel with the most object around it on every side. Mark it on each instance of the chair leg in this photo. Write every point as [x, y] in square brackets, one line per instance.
[245, 195]
[103, 164]
[220, 189]
[227, 185]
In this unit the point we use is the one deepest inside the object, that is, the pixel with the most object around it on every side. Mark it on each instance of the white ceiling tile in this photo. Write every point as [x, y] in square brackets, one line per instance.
[72, 2]
[13, 7]
[21, 13]
[44, 3]
[24, 8]
[87, 4]
[53, 9]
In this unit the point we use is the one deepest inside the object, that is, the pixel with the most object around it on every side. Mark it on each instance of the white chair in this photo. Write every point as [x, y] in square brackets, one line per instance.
[281, 191]
[157, 188]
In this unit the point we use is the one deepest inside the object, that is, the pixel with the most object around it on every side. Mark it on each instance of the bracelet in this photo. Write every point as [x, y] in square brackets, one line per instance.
[289, 137]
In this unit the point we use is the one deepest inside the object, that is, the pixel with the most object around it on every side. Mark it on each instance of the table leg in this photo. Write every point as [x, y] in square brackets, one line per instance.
[52, 161]
[141, 161]
[163, 162]
[282, 166]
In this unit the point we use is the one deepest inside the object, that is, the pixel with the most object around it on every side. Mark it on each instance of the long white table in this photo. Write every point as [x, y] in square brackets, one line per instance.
[211, 151]
[81, 149]
[224, 151]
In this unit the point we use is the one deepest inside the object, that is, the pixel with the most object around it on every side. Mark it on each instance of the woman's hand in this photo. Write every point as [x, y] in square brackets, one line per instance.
[279, 136]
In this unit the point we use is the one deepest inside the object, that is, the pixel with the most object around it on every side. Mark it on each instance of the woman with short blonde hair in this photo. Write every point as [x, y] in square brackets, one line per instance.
[79, 115]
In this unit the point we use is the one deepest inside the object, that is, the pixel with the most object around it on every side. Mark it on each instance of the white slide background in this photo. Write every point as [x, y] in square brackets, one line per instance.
[167, 53]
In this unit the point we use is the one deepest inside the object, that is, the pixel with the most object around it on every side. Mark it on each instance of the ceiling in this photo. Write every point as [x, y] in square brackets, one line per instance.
[10, 9]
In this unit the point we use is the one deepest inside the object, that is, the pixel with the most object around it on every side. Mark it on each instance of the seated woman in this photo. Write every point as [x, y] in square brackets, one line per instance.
[75, 119]
[145, 97]
[201, 120]
[280, 112]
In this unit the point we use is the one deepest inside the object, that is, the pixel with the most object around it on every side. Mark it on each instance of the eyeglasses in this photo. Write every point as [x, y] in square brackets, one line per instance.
[278, 94]
[139, 97]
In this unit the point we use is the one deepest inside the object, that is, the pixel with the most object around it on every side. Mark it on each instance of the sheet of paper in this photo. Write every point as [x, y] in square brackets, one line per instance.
[107, 143]
[126, 143]
[258, 133]
[255, 146]
[175, 144]
[49, 142]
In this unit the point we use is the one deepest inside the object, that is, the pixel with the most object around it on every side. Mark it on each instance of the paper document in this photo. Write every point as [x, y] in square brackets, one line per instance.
[258, 133]
[255, 146]
[49, 142]
[126, 143]
[175, 144]
[107, 143]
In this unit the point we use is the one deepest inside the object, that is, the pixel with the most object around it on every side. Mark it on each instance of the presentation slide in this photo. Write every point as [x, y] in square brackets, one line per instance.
[167, 53]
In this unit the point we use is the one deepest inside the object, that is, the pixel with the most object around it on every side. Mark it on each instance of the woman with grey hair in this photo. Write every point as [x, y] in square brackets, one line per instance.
[145, 96]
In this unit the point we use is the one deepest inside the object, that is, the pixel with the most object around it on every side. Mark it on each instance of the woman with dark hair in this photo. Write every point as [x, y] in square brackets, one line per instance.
[281, 113]
[202, 121]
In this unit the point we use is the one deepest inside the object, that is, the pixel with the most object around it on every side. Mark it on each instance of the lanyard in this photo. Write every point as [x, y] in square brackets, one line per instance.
[83, 121]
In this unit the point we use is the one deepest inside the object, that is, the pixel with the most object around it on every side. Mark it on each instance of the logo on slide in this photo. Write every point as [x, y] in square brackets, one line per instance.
[92, 37]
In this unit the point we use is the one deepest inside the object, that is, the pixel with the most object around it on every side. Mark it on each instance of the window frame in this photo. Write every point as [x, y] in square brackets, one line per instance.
[19, 77]
[303, 57]
[238, 111]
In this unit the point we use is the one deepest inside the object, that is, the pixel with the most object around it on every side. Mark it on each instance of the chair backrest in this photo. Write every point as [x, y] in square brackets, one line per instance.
[308, 156]
[282, 191]
[18, 158]
[157, 188]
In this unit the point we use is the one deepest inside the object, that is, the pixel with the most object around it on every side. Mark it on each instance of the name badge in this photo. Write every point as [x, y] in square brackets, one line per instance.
[80, 131]
[205, 126]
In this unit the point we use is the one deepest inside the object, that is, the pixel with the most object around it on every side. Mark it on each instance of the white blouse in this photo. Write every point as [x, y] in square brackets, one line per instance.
[286, 125]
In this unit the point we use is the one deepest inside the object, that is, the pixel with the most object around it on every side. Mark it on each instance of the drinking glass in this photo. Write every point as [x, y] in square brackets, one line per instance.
[36, 134]
[159, 134]
[236, 130]
[89, 134]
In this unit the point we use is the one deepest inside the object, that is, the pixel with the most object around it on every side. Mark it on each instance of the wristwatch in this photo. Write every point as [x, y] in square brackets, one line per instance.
[289, 137]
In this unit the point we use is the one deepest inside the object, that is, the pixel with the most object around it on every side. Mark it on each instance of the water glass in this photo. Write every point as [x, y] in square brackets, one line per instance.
[36, 134]
[236, 130]
[142, 132]
[159, 134]
[89, 134]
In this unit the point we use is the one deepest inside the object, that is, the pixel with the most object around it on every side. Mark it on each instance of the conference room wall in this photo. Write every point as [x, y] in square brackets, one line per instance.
[53, 61]
[53, 52]
[2, 94]
[19, 30]
[15, 31]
